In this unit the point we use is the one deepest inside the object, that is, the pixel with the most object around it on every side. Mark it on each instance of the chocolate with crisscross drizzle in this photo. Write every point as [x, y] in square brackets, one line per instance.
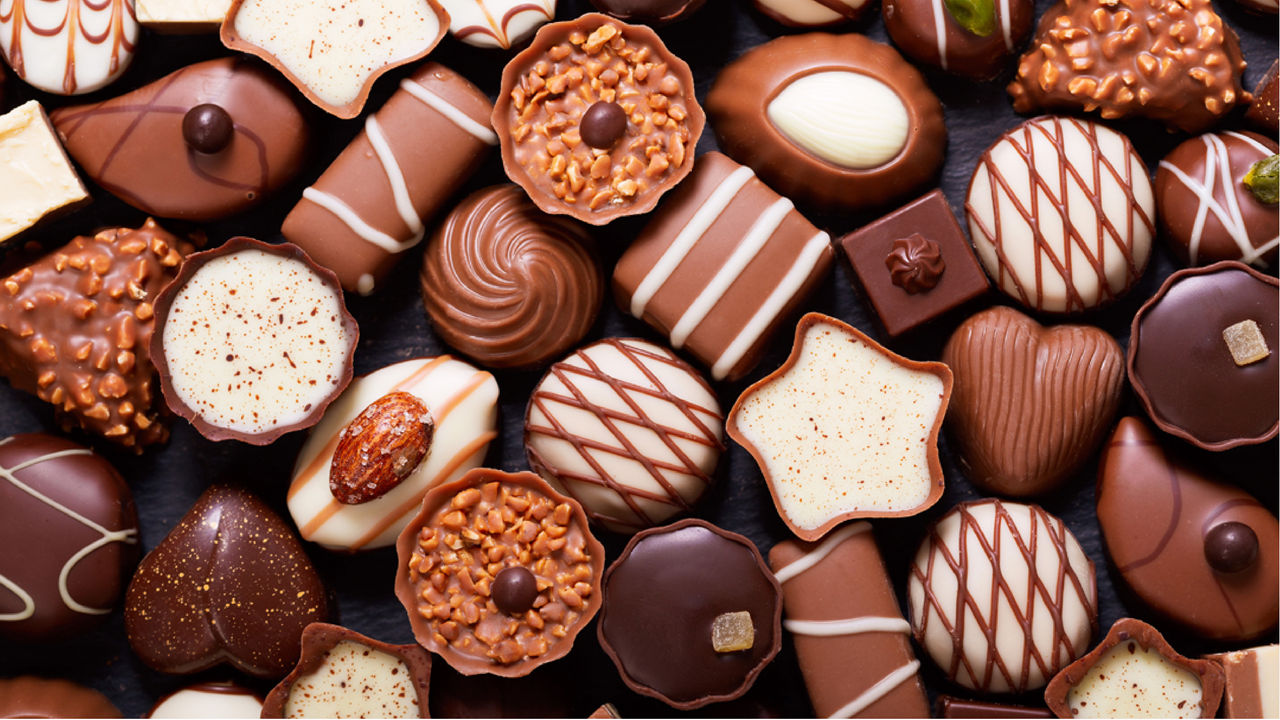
[626, 428]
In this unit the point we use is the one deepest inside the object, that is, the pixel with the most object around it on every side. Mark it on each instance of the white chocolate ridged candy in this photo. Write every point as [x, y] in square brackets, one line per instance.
[1132, 681]
[1033, 214]
[497, 23]
[969, 612]
[846, 118]
[463, 404]
[68, 47]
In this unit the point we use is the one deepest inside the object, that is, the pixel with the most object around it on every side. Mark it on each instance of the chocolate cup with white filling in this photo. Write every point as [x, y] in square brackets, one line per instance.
[342, 326]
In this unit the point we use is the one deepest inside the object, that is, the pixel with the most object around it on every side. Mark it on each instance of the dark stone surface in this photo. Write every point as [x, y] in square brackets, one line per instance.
[166, 481]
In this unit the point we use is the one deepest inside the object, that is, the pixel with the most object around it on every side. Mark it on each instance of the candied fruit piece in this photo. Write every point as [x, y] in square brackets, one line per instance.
[731, 632]
[1246, 343]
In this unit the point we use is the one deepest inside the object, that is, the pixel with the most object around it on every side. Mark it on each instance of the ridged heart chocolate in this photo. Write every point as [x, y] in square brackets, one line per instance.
[229, 584]
[1030, 404]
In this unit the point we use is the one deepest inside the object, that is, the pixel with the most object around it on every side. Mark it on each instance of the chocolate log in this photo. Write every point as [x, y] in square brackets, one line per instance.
[851, 640]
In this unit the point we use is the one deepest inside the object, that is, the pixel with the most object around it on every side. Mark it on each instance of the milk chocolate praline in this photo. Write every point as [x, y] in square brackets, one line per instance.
[548, 88]
[1180, 366]
[540, 530]
[653, 12]
[662, 596]
[164, 305]
[978, 50]
[27, 696]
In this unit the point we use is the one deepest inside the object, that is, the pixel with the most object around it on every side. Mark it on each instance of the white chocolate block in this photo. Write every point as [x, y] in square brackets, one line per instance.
[36, 177]
[182, 16]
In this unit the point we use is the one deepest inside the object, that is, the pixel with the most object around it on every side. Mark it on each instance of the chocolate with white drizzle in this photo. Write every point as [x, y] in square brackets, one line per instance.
[68, 536]
[840, 605]
[1061, 213]
[497, 23]
[813, 13]
[992, 576]
[369, 207]
[976, 44]
[50, 45]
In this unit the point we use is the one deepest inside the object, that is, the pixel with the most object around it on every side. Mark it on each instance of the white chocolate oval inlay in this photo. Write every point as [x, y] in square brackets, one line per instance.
[846, 118]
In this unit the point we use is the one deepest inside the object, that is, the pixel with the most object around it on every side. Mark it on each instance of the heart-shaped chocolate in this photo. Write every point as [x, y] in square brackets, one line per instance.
[229, 584]
[1030, 404]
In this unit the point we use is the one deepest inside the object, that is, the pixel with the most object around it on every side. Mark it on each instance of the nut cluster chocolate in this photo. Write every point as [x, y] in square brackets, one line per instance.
[558, 141]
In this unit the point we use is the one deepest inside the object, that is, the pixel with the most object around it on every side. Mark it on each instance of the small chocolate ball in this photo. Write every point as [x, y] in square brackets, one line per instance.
[1231, 547]
[603, 124]
[207, 128]
[514, 590]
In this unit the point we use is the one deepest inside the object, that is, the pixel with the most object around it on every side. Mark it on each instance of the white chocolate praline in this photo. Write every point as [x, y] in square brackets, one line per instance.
[1132, 681]
[199, 701]
[1051, 592]
[464, 407]
[846, 118]
[36, 178]
[808, 13]
[182, 15]
[845, 429]
[254, 340]
[1033, 214]
[333, 47]
[68, 47]
[355, 681]
[497, 23]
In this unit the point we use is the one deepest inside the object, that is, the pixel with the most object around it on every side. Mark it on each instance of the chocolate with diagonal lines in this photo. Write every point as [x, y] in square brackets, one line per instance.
[627, 429]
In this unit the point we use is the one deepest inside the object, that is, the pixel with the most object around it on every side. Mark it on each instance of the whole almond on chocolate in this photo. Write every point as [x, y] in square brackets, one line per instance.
[380, 448]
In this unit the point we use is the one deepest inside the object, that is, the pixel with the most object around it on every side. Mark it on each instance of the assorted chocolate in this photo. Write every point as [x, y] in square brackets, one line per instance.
[139, 147]
[68, 538]
[1214, 391]
[76, 327]
[1202, 553]
[1171, 61]
[949, 706]
[27, 696]
[334, 50]
[840, 122]
[497, 23]
[627, 429]
[1002, 597]
[665, 597]
[220, 699]
[498, 573]
[576, 161]
[68, 47]
[1031, 403]
[38, 182]
[181, 16]
[652, 12]
[1252, 677]
[813, 13]
[1061, 213]
[973, 38]
[371, 205]
[345, 674]
[1134, 672]
[844, 429]
[1264, 111]
[252, 341]
[1208, 208]
[508, 285]
[721, 266]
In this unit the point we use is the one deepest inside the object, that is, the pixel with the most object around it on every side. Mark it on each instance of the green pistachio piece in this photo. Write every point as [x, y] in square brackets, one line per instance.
[976, 16]
[1263, 178]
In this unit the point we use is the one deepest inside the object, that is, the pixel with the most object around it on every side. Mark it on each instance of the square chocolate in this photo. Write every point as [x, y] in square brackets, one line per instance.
[724, 261]
[915, 263]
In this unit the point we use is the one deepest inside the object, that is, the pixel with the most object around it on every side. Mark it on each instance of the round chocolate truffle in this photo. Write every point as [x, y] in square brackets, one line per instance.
[1002, 596]
[514, 590]
[68, 538]
[603, 124]
[652, 12]
[668, 598]
[508, 285]
[1202, 356]
[207, 128]
[976, 43]
[1061, 213]
[1206, 211]
[1231, 547]
[626, 428]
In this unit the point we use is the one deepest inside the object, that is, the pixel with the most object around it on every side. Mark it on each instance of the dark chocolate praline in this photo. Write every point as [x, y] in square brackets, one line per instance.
[662, 596]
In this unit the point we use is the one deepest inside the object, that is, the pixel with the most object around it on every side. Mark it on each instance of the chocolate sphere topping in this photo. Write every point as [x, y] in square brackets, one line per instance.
[207, 128]
[603, 124]
[1231, 547]
[514, 590]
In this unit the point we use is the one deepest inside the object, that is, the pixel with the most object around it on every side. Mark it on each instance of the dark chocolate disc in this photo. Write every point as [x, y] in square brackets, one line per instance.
[603, 124]
[1231, 547]
[207, 128]
[514, 590]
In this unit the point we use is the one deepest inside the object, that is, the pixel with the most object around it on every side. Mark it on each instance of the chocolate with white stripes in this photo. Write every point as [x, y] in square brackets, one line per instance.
[839, 605]
[813, 13]
[721, 266]
[371, 205]
[976, 42]
[497, 23]
[1207, 212]
[627, 429]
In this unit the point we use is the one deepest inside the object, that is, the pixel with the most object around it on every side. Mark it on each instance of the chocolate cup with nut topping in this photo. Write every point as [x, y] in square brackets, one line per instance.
[519, 552]
[608, 163]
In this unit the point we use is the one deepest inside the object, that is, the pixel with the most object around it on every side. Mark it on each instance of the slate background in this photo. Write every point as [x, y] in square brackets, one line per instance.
[393, 327]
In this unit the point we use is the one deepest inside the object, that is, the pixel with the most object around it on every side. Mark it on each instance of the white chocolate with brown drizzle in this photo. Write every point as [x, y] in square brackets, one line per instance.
[68, 47]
